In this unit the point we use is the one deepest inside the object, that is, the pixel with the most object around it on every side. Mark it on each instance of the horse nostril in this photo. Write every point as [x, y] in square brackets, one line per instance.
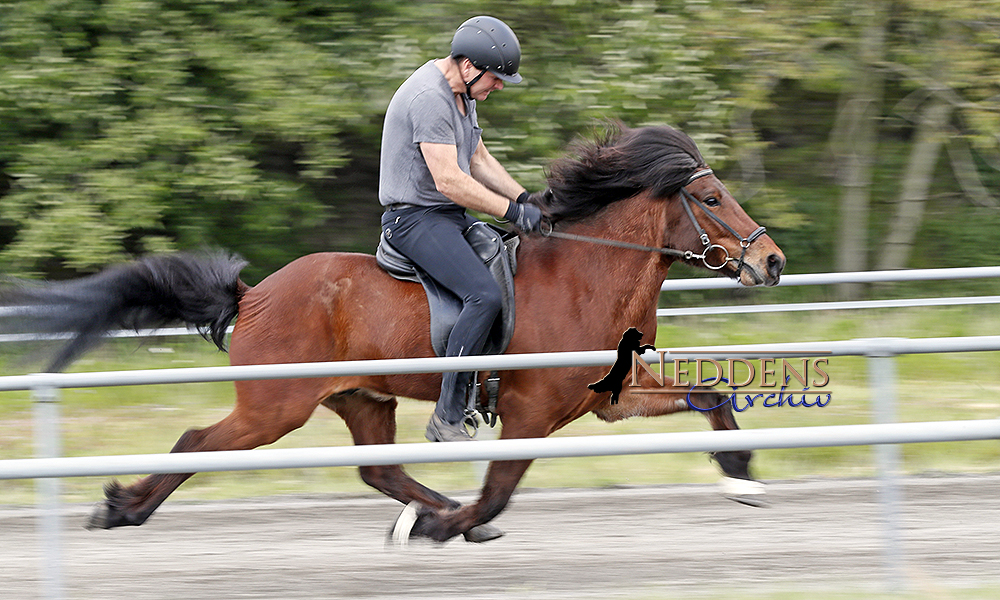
[775, 263]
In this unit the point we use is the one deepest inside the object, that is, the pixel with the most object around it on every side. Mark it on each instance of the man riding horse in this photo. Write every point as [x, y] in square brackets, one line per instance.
[433, 167]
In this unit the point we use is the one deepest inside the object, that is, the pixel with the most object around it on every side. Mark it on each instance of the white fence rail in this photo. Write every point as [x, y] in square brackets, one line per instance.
[49, 467]
[507, 362]
[719, 283]
[534, 448]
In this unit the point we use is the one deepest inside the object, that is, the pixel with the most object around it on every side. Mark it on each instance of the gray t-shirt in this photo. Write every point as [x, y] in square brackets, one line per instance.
[423, 109]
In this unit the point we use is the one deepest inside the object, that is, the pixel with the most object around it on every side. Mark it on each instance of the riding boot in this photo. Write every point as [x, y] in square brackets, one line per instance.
[447, 424]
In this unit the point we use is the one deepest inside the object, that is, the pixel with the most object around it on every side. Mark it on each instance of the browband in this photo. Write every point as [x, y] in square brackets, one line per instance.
[699, 175]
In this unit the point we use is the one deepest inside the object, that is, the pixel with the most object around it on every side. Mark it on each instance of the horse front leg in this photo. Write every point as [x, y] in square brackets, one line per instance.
[371, 419]
[473, 520]
[719, 411]
[738, 484]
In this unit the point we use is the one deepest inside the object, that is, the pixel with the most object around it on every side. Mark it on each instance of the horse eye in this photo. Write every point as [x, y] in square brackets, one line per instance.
[711, 201]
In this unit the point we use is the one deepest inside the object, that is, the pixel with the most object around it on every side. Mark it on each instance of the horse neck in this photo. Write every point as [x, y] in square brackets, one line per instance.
[616, 285]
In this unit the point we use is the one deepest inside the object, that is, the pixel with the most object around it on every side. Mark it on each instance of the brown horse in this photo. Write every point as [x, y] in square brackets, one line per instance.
[648, 189]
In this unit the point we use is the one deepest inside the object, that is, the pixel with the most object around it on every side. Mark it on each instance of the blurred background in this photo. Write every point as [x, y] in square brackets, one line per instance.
[863, 134]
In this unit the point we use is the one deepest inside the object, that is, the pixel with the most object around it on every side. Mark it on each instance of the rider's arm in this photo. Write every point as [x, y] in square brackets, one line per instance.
[464, 190]
[488, 171]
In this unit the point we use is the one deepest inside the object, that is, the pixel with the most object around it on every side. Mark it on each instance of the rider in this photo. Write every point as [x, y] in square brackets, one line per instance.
[433, 166]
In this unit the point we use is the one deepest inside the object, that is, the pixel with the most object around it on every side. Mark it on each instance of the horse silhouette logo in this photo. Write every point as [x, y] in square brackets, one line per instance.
[612, 382]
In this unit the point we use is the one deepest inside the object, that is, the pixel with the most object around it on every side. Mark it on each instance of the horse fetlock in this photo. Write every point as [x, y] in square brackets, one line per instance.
[441, 526]
[117, 509]
[417, 520]
[735, 464]
[108, 516]
[100, 518]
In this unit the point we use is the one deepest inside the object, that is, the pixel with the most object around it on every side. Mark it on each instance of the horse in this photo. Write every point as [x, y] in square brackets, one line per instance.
[621, 209]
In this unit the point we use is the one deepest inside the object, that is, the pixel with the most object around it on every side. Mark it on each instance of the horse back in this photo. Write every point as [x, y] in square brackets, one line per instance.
[330, 306]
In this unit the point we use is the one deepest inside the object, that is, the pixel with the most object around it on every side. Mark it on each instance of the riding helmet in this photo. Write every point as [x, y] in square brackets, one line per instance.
[490, 45]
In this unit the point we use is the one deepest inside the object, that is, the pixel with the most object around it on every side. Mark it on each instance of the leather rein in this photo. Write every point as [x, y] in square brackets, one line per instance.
[707, 244]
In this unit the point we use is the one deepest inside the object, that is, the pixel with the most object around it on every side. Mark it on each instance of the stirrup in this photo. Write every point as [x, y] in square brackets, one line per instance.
[470, 421]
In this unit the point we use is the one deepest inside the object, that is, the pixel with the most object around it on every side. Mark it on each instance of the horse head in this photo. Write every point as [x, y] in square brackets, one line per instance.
[702, 224]
[721, 236]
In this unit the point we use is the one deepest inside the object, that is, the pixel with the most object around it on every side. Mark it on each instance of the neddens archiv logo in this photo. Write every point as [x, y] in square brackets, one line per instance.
[763, 382]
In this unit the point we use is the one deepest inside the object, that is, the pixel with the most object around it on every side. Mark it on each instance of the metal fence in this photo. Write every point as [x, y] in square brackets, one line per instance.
[49, 466]
[880, 352]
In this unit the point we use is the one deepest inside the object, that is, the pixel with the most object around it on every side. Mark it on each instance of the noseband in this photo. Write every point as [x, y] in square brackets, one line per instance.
[707, 245]
[706, 242]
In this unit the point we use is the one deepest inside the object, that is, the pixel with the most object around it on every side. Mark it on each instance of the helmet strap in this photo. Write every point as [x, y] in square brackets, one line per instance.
[469, 84]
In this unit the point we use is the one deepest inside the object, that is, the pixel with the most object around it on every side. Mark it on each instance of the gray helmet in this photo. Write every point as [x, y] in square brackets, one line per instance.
[490, 45]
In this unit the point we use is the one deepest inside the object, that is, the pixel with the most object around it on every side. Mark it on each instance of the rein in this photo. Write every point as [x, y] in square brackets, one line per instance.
[707, 248]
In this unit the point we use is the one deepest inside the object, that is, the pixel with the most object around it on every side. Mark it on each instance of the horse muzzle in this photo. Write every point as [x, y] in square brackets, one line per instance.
[761, 266]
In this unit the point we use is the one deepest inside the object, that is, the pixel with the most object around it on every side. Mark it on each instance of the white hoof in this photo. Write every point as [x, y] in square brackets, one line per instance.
[745, 491]
[400, 534]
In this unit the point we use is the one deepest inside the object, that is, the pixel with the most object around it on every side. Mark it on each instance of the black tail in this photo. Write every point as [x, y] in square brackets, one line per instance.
[201, 290]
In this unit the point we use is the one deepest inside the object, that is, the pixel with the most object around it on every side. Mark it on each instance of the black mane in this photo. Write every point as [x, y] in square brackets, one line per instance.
[619, 165]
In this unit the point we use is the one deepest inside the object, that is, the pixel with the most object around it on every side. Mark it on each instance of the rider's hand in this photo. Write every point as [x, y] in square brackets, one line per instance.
[526, 217]
[544, 197]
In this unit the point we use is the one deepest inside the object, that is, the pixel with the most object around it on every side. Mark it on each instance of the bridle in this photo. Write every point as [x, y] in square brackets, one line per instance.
[707, 246]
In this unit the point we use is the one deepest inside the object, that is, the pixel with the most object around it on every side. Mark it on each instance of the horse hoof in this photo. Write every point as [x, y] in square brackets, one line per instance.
[100, 518]
[744, 491]
[754, 501]
[483, 533]
[399, 534]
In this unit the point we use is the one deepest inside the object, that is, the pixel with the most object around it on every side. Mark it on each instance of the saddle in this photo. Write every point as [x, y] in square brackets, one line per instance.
[498, 249]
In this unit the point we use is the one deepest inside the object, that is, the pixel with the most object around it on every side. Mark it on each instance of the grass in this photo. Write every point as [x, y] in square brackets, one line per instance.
[149, 419]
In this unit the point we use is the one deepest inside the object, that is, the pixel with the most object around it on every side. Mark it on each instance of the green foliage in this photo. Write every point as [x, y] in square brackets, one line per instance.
[136, 126]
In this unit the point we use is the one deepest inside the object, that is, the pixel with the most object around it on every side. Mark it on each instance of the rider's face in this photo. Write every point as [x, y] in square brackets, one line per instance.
[486, 84]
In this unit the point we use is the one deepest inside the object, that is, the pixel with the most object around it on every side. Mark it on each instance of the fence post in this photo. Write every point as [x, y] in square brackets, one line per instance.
[48, 490]
[882, 374]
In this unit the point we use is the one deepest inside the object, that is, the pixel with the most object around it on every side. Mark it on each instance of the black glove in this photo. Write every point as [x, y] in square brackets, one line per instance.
[526, 217]
[544, 197]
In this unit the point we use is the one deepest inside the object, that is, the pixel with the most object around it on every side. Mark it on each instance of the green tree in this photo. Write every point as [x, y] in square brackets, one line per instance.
[140, 126]
[133, 126]
[901, 78]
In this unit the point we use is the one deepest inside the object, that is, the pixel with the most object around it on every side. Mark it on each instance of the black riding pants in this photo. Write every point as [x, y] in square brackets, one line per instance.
[432, 238]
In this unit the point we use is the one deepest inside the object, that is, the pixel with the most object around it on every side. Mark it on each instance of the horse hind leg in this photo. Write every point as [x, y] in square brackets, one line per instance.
[133, 504]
